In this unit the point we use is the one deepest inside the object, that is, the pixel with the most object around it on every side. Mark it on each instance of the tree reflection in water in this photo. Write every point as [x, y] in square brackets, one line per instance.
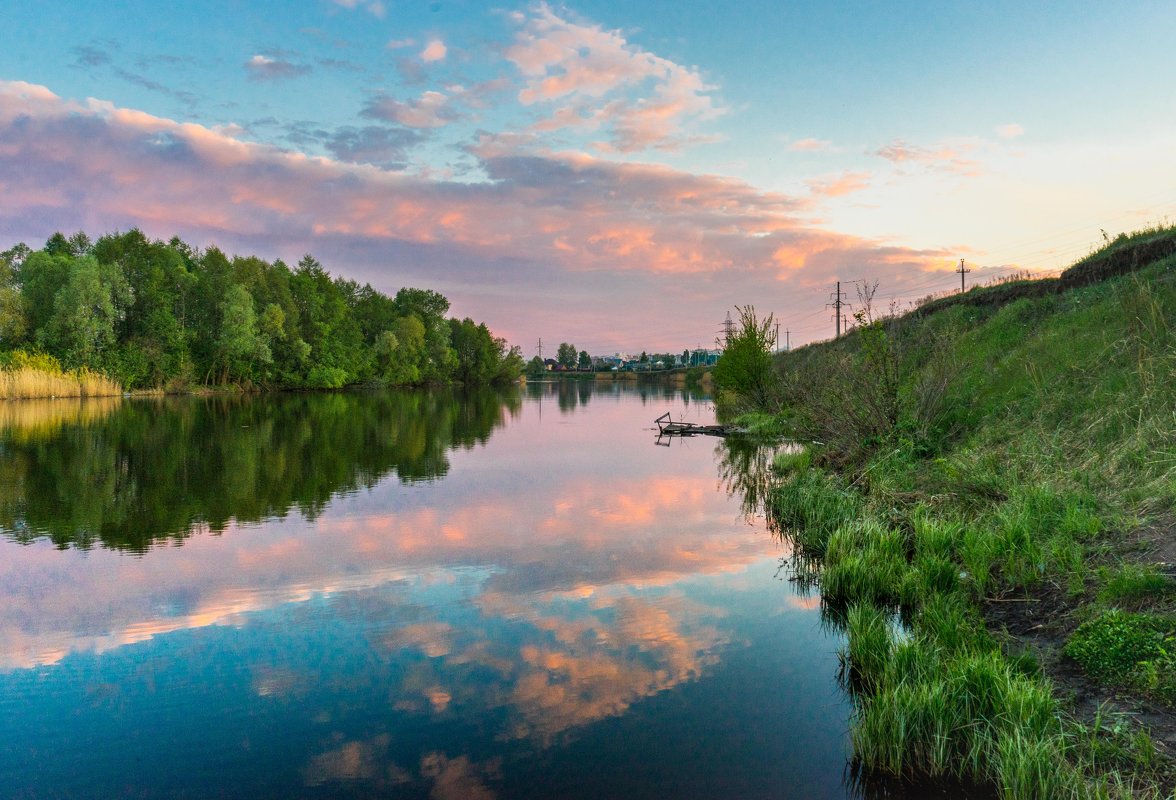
[129, 474]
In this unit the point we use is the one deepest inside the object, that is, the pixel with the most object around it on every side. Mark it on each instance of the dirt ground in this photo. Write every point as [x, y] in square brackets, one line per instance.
[1043, 619]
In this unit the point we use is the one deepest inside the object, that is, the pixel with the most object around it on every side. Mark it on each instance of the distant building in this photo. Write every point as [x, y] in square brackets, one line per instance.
[702, 357]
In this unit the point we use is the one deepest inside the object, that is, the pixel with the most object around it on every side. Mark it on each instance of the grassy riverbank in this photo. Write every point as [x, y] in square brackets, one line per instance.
[996, 471]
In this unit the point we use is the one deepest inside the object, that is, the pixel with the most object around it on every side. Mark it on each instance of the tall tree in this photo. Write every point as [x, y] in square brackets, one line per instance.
[86, 309]
[566, 355]
[240, 345]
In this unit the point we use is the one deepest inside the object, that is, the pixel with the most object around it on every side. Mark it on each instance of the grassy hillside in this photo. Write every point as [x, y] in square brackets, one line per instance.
[997, 471]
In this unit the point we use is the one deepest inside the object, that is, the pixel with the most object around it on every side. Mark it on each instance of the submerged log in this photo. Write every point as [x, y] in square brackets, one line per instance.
[667, 427]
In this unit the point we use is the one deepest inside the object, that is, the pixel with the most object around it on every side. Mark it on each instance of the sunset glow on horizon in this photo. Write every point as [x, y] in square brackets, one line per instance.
[619, 176]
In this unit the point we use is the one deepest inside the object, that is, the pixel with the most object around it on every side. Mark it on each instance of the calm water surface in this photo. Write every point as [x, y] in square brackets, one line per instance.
[400, 595]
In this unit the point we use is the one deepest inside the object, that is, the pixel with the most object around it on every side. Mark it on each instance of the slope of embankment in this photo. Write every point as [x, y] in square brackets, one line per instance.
[997, 471]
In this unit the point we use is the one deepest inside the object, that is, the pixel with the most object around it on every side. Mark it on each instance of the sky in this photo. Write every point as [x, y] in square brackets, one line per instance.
[618, 175]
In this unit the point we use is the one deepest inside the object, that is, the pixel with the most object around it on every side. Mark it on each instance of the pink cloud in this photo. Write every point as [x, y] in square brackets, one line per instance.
[811, 145]
[939, 158]
[839, 185]
[435, 50]
[602, 80]
[536, 231]
[1010, 131]
[430, 110]
[267, 68]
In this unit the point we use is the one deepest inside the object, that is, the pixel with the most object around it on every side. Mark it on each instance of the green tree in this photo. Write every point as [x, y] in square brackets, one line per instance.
[536, 368]
[336, 343]
[240, 346]
[585, 361]
[566, 355]
[745, 367]
[12, 315]
[153, 345]
[85, 311]
[405, 369]
[40, 278]
[439, 360]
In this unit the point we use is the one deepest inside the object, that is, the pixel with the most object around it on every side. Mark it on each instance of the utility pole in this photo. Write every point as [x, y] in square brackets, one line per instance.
[836, 306]
[962, 271]
[776, 343]
[837, 309]
[540, 348]
[787, 339]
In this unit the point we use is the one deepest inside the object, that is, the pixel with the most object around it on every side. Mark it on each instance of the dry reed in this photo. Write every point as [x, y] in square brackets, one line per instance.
[27, 383]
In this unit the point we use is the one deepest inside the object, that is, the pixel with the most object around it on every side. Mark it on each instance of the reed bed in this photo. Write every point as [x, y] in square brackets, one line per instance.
[24, 383]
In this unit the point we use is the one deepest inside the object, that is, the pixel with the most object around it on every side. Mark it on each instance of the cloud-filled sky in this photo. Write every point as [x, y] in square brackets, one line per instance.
[618, 175]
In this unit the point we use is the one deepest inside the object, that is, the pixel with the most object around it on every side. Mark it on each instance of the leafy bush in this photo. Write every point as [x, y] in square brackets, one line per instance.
[326, 378]
[1117, 646]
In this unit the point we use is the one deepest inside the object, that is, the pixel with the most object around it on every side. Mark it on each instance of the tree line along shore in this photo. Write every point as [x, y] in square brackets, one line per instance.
[985, 498]
[80, 317]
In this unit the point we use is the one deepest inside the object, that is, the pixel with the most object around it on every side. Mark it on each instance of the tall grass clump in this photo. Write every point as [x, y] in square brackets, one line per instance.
[968, 718]
[34, 375]
[864, 562]
[870, 643]
[808, 507]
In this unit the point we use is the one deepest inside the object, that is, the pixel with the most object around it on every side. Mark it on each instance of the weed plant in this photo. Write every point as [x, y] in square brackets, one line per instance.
[1136, 650]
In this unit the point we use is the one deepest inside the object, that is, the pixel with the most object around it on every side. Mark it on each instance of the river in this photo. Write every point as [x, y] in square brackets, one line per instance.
[402, 594]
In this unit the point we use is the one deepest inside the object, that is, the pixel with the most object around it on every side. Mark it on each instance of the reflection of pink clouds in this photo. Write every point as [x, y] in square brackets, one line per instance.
[457, 778]
[628, 649]
[610, 531]
[357, 761]
[434, 639]
[810, 602]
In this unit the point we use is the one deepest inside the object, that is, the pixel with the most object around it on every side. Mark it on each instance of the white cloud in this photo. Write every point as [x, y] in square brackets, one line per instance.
[265, 68]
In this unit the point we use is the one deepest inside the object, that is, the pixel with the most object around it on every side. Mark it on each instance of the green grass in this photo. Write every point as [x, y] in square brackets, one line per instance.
[870, 644]
[1028, 429]
[864, 562]
[1133, 584]
[809, 506]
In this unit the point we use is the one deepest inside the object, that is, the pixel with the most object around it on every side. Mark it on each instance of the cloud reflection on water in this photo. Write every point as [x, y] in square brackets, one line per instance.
[529, 609]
